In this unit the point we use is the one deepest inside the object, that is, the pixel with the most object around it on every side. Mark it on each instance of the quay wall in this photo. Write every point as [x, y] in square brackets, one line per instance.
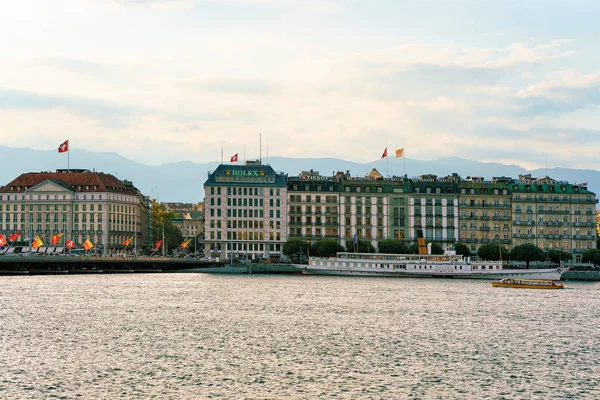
[580, 276]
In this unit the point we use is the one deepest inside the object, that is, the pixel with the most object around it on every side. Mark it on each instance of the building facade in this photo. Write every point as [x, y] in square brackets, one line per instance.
[313, 206]
[553, 215]
[245, 211]
[485, 212]
[80, 204]
[473, 211]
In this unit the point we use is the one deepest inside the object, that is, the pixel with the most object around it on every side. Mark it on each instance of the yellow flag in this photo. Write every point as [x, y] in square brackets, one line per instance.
[87, 245]
[400, 152]
[185, 244]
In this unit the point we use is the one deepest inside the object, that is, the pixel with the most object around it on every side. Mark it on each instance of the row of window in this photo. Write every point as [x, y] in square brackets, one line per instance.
[245, 191]
[239, 235]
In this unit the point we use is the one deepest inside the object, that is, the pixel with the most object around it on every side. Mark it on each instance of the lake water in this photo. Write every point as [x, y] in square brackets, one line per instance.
[200, 336]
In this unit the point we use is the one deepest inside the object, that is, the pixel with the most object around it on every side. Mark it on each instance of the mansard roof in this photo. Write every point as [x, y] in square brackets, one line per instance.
[76, 180]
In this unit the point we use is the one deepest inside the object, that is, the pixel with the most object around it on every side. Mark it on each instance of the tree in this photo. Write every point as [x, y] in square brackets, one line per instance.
[492, 252]
[527, 252]
[363, 245]
[162, 219]
[413, 248]
[436, 248]
[462, 249]
[326, 248]
[556, 256]
[295, 247]
[592, 256]
[390, 246]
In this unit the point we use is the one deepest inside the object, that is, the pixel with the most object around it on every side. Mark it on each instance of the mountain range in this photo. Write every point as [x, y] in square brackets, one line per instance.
[184, 181]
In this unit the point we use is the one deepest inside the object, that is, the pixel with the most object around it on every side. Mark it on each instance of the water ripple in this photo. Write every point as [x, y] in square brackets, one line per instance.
[200, 336]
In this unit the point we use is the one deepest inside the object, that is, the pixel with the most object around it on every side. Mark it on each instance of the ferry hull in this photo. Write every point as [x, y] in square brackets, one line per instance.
[525, 286]
[525, 274]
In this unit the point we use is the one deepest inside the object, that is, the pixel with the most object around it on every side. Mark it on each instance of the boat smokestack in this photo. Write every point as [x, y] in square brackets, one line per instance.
[421, 242]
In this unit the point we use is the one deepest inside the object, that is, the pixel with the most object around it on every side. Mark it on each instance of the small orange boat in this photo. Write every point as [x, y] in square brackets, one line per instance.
[527, 284]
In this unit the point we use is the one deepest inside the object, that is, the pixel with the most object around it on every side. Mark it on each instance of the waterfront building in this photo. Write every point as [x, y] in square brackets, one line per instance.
[313, 206]
[434, 208]
[191, 224]
[448, 210]
[246, 210]
[484, 212]
[372, 207]
[553, 215]
[79, 203]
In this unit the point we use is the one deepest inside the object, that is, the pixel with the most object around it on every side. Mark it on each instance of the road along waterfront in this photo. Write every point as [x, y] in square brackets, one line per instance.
[197, 336]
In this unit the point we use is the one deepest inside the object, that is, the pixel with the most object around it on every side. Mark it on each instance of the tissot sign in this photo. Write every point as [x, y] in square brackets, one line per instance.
[314, 178]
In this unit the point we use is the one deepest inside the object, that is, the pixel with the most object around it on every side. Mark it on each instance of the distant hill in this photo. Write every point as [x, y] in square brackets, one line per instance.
[183, 181]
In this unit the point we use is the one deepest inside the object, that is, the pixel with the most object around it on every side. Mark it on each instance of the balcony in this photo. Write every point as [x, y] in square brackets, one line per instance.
[484, 228]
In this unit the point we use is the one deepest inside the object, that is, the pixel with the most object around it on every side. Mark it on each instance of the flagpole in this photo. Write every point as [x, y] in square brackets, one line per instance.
[221, 154]
[404, 161]
[387, 166]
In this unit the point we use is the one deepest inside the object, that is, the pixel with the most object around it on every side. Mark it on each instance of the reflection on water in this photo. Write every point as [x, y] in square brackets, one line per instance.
[175, 336]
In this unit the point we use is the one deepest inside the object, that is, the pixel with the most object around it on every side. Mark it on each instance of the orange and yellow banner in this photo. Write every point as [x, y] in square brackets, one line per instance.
[56, 238]
[185, 244]
[37, 243]
[87, 245]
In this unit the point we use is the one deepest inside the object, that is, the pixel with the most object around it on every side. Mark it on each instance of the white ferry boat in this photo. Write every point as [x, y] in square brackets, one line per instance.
[419, 266]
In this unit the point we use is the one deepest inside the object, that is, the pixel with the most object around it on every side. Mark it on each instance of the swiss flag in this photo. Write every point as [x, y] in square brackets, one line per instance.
[63, 147]
[70, 244]
[2, 241]
[234, 158]
[14, 236]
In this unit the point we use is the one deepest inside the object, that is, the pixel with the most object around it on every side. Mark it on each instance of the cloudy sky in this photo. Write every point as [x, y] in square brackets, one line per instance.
[178, 80]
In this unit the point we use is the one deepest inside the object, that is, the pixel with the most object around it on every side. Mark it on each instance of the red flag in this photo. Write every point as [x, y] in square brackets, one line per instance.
[2, 241]
[64, 147]
[70, 244]
[14, 236]
[384, 155]
[234, 158]
[126, 242]
[158, 244]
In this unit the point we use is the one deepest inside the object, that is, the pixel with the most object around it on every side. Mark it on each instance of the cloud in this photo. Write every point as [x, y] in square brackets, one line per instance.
[561, 92]
[108, 112]
[232, 86]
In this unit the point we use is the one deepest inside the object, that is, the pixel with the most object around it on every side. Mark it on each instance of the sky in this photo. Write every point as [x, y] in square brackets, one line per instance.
[157, 81]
